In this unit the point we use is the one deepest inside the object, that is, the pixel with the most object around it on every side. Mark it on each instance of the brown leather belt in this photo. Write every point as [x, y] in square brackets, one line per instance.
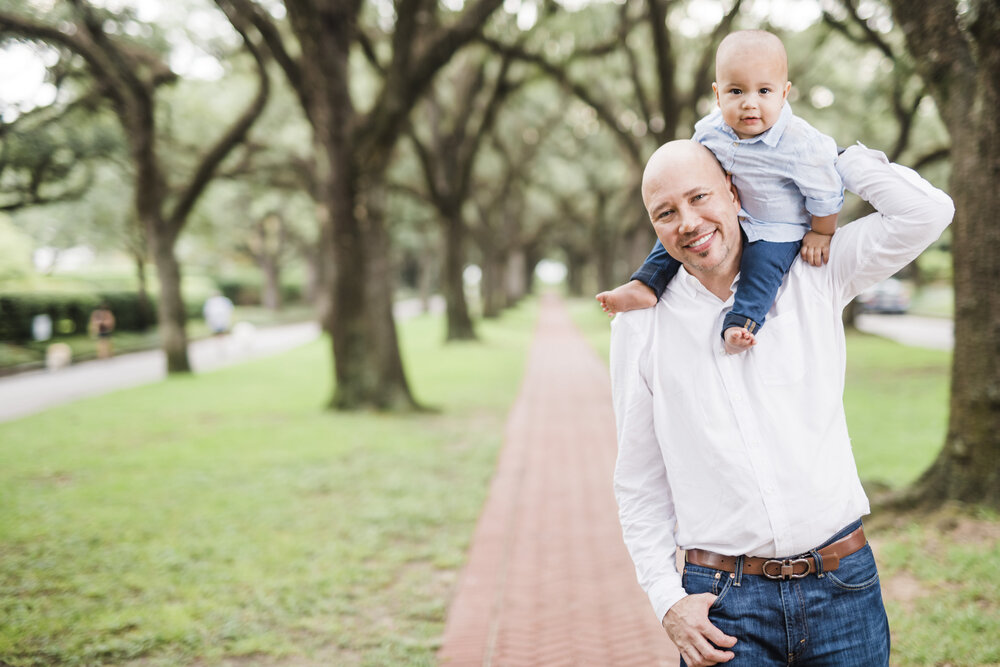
[782, 568]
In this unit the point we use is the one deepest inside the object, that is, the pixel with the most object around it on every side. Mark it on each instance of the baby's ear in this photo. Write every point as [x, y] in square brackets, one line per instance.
[715, 89]
[788, 87]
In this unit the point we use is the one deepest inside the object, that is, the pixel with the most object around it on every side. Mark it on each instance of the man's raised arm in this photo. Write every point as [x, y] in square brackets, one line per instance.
[910, 214]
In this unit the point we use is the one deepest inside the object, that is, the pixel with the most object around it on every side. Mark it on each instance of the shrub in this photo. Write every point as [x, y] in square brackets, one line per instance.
[70, 312]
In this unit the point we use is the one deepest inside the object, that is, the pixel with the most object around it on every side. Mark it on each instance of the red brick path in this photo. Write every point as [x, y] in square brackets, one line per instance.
[548, 581]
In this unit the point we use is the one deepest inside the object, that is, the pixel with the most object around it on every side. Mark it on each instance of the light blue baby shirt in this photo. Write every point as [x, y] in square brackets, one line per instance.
[784, 175]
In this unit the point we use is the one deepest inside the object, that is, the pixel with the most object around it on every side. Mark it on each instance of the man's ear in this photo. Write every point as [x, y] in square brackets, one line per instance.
[732, 190]
[715, 89]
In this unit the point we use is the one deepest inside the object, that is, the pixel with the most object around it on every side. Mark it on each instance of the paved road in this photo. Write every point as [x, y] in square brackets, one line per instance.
[914, 330]
[28, 393]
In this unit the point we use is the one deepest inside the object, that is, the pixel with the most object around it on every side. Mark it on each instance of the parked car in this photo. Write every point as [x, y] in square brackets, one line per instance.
[888, 296]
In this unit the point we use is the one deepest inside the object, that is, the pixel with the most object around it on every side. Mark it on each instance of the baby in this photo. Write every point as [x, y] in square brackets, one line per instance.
[784, 171]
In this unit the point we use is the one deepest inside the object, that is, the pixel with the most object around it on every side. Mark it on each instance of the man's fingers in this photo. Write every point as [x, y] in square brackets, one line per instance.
[703, 654]
[718, 637]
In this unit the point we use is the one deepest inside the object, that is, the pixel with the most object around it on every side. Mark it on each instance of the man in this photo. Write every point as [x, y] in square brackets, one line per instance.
[744, 460]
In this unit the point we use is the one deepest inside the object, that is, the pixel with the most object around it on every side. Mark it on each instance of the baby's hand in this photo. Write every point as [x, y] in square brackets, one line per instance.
[633, 295]
[816, 248]
[737, 339]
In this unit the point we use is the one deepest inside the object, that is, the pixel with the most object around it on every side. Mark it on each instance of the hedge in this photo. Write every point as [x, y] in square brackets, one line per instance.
[70, 313]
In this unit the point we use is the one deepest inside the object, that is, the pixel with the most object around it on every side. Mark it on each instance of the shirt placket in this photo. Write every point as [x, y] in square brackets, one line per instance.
[763, 465]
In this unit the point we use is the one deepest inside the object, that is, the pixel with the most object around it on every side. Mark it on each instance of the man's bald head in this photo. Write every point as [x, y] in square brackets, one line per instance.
[743, 44]
[683, 155]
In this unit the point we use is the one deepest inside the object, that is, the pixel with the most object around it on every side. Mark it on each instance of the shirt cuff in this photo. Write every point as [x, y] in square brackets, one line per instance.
[854, 163]
[665, 594]
[825, 206]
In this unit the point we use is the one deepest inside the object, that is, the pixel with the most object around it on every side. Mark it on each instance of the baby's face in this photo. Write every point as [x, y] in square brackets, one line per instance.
[751, 89]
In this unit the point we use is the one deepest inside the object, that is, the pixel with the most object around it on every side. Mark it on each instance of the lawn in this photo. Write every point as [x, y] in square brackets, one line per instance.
[941, 571]
[227, 516]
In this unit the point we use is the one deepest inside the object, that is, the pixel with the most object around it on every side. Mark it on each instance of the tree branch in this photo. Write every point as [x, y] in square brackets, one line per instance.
[203, 174]
[560, 76]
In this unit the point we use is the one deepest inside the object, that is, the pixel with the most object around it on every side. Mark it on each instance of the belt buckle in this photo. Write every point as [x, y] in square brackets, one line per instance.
[786, 568]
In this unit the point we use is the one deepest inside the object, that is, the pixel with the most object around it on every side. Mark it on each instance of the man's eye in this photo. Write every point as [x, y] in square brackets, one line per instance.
[665, 214]
[698, 197]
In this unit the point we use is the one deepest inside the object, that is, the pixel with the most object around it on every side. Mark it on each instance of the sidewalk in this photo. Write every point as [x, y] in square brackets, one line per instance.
[548, 581]
[27, 393]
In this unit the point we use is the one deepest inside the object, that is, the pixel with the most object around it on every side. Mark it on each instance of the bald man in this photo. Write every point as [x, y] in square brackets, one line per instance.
[744, 461]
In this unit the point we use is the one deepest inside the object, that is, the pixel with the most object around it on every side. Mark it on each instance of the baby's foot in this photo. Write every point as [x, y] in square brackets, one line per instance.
[738, 340]
[632, 295]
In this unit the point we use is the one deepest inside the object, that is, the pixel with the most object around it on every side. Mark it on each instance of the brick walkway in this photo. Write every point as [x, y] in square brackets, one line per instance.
[548, 581]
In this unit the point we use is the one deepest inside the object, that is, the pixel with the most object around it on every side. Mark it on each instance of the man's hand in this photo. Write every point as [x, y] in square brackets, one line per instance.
[816, 248]
[688, 626]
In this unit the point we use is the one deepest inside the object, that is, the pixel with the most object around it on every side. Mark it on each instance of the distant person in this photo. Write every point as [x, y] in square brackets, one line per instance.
[102, 325]
[789, 188]
[218, 313]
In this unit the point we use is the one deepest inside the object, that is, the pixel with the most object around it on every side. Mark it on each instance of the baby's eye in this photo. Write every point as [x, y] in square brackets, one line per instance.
[765, 91]
[735, 91]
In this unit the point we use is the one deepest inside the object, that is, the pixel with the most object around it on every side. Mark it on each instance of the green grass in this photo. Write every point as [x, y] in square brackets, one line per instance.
[941, 584]
[896, 399]
[227, 516]
[940, 573]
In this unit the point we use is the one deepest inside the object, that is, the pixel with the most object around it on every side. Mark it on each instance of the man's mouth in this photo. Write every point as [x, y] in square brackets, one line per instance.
[701, 243]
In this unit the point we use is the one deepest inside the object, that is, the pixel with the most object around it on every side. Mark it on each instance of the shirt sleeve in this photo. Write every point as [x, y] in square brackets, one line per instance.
[815, 174]
[910, 214]
[645, 504]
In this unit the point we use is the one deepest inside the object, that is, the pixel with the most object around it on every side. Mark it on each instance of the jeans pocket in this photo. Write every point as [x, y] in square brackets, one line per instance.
[856, 572]
[697, 579]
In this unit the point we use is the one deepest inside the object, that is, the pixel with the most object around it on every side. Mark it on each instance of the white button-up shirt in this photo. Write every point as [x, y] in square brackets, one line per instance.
[749, 453]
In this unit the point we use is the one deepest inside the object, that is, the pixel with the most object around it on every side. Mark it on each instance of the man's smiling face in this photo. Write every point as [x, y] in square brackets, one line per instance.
[694, 209]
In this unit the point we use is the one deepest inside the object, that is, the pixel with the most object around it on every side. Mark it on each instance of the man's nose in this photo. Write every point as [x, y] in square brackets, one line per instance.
[688, 222]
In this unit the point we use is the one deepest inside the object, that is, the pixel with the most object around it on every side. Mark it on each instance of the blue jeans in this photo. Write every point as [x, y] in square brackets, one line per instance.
[834, 618]
[762, 268]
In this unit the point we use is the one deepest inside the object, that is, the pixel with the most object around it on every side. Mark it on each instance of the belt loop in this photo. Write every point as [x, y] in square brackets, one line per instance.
[819, 563]
[739, 571]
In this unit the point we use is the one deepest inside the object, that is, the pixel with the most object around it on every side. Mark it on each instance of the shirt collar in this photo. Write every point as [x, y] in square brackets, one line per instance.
[692, 287]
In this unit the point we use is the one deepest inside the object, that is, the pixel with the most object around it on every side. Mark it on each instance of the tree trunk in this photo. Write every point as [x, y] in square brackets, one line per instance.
[146, 316]
[492, 288]
[367, 364]
[515, 276]
[531, 259]
[271, 294]
[575, 266]
[459, 323]
[959, 59]
[171, 315]
[426, 278]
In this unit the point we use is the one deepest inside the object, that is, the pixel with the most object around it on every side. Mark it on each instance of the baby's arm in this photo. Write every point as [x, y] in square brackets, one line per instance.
[633, 295]
[816, 243]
